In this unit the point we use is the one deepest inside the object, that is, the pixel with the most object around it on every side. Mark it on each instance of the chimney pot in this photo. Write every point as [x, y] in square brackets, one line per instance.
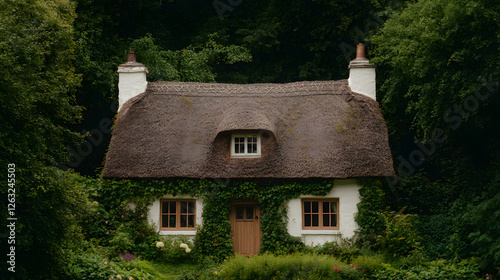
[130, 56]
[360, 51]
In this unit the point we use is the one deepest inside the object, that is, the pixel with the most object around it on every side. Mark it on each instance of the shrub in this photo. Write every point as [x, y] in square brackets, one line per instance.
[440, 269]
[399, 238]
[92, 264]
[295, 266]
[343, 250]
[122, 242]
[289, 244]
[435, 231]
[173, 249]
[148, 250]
[370, 264]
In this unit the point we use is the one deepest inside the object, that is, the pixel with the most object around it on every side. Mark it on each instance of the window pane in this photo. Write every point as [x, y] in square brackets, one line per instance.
[183, 221]
[307, 220]
[334, 220]
[184, 207]
[191, 221]
[334, 207]
[239, 145]
[172, 221]
[173, 207]
[315, 220]
[326, 220]
[252, 145]
[249, 213]
[326, 207]
[240, 213]
[307, 207]
[252, 148]
[314, 207]
[164, 207]
[191, 207]
[164, 221]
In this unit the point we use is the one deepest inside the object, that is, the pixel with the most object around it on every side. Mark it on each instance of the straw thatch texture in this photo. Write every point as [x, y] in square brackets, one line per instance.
[308, 130]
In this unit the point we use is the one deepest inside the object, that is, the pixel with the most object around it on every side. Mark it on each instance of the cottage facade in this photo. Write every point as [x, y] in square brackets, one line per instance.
[323, 129]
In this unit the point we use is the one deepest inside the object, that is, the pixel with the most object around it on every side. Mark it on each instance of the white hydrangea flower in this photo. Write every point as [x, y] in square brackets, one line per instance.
[188, 250]
[185, 246]
[160, 244]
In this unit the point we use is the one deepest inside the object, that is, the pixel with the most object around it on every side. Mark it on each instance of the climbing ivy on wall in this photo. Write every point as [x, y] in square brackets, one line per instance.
[214, 236]
[373, 204]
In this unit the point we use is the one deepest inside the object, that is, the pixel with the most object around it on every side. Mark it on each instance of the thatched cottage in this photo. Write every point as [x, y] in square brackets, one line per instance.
[322, 129]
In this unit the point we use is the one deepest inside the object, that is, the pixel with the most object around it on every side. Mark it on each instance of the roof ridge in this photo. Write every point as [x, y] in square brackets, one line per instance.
[305, 88]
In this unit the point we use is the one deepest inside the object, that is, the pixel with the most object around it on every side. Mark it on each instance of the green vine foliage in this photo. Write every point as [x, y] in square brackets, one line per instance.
[214, 236]
[373, 204]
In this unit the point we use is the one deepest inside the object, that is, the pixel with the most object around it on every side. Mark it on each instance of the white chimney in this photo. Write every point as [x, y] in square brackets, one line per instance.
[132, 79]
[362, 74]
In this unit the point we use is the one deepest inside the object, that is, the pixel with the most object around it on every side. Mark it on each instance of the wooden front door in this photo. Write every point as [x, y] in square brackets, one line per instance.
[245, 223]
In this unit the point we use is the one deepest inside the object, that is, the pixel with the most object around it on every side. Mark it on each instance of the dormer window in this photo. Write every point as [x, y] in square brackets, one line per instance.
[245, 146]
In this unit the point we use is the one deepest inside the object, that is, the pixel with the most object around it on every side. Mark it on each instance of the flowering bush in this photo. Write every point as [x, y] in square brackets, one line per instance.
[175, 249]
[350, 271]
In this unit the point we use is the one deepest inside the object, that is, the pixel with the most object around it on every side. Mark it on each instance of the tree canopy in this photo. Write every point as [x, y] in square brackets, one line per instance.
[37, 108]
[440, 96]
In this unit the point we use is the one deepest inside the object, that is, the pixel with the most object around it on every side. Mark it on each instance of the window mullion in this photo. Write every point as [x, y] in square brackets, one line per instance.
[320, 214]
[178, 214]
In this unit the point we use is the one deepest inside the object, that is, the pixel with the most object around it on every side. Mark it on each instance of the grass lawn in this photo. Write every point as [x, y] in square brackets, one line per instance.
[171, 271]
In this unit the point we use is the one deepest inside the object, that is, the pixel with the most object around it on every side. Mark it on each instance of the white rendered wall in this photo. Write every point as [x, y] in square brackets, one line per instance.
[347, 191]
[132, 82]
[154, 215]
[362, 80]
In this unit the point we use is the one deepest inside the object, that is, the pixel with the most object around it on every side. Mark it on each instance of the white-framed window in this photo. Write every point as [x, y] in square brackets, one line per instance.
[245, 146]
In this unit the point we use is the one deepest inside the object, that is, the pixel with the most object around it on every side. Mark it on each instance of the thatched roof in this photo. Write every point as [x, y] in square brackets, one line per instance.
[308, 130]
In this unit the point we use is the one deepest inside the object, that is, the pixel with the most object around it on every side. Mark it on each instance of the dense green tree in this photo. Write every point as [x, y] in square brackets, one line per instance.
[191, 64]
[37, 104]
[439, 67]
[296, 40]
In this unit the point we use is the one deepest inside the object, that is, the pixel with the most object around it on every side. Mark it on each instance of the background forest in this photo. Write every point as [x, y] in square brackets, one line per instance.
[438, 77]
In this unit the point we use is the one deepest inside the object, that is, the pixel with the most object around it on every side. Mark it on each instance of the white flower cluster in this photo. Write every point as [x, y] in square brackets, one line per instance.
[185, 246]
[160, 244]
